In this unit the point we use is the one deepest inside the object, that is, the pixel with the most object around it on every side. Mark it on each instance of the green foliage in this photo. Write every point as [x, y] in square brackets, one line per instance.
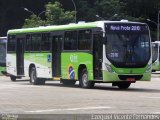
[133, 10]
[54, 14]
[107, 8]
[86, 10]
[33, 21]
[12, 13]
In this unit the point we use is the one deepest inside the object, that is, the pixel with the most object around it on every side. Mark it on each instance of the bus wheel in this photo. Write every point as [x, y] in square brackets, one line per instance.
[33, 78]
[68, 82]
[153, 70]
[124, 85]
[41, 81]
[84, 82]
[13, 78]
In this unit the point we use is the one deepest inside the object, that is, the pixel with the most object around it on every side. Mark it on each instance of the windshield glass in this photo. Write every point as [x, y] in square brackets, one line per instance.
[154, 52]
[128, 48]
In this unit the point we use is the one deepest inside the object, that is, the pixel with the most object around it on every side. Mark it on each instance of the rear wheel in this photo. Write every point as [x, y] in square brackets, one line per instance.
[33, 78]
[13, 78]
[84, 82]
[124, 85]
[153, 70]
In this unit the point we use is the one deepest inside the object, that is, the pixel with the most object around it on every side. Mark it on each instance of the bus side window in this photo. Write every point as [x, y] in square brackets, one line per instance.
[28, 43]
[11, 47]
[46, 42]
[70, 40]
[36, 42]
[84, 40]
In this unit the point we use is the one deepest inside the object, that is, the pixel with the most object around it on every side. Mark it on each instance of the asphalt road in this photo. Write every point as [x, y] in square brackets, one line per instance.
[53, 98]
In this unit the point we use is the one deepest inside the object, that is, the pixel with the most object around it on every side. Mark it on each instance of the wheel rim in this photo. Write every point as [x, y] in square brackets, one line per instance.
[85, 79]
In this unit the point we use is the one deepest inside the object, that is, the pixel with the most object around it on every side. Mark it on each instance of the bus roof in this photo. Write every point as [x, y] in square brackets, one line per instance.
[71, 26]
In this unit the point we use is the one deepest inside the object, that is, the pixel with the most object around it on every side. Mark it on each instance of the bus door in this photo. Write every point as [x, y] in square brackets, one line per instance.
[20, 56]
[97, 56]
[56, 55]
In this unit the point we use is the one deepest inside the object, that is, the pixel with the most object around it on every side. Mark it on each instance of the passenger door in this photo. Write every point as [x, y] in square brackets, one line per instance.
[97, 55]
[56, 55]
[20, 56]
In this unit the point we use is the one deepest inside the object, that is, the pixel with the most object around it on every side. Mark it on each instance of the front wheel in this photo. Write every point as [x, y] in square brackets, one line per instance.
[33, 78]
[124, 85]
[13, 78]
[84, 82]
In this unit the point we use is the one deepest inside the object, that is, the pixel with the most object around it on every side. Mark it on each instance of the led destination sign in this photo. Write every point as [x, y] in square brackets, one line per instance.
[126, 27]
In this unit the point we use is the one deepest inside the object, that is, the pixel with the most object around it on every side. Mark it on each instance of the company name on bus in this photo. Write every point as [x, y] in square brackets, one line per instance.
[73, 58]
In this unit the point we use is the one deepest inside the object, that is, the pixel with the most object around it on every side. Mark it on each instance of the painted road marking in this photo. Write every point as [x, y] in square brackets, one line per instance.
[156, 112]
[157, 79]
[12, 86]
[154, 97]
[69, 109]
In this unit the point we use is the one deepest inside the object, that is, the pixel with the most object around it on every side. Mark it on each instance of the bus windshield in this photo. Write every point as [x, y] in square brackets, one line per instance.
[128, 48]
[154, 52]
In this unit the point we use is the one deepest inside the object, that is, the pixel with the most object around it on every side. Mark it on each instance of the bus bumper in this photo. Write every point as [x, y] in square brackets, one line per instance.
[114, 77]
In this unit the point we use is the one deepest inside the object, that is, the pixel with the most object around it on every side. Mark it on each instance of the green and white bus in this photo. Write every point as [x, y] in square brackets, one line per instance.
[155, 56]
[117, 52]
[3, 44]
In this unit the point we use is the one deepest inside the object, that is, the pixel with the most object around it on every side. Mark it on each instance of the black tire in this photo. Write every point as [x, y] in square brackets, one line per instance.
[84, 82]
[153, 70]
[68, 82]
[33, 78]
[13, 78]
[124, 85]
[41, 81]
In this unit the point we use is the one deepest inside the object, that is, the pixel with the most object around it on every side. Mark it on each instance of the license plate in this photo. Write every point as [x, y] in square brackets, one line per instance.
[131, 79]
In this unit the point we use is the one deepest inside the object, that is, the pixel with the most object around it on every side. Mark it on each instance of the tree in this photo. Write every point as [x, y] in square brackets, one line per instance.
[107, 8]
[86, 10]
[33, 21]
[13, 15]
[54, 15]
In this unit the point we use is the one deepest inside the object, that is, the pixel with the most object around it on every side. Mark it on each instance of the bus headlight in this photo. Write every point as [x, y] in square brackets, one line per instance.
[108, 67]
[149, 68]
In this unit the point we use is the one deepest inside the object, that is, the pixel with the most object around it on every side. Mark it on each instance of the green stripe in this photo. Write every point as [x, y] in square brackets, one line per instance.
[2, 69]
[52, 28]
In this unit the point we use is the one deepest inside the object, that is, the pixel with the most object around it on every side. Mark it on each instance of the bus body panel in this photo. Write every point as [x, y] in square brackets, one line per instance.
[11, 64]
[114, 77]
[70, 63]
[156, 56]
[41, 62]
[2, 69]
[156, 66]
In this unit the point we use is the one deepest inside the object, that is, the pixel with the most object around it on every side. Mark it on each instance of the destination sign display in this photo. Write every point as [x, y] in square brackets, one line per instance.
[126, 27]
